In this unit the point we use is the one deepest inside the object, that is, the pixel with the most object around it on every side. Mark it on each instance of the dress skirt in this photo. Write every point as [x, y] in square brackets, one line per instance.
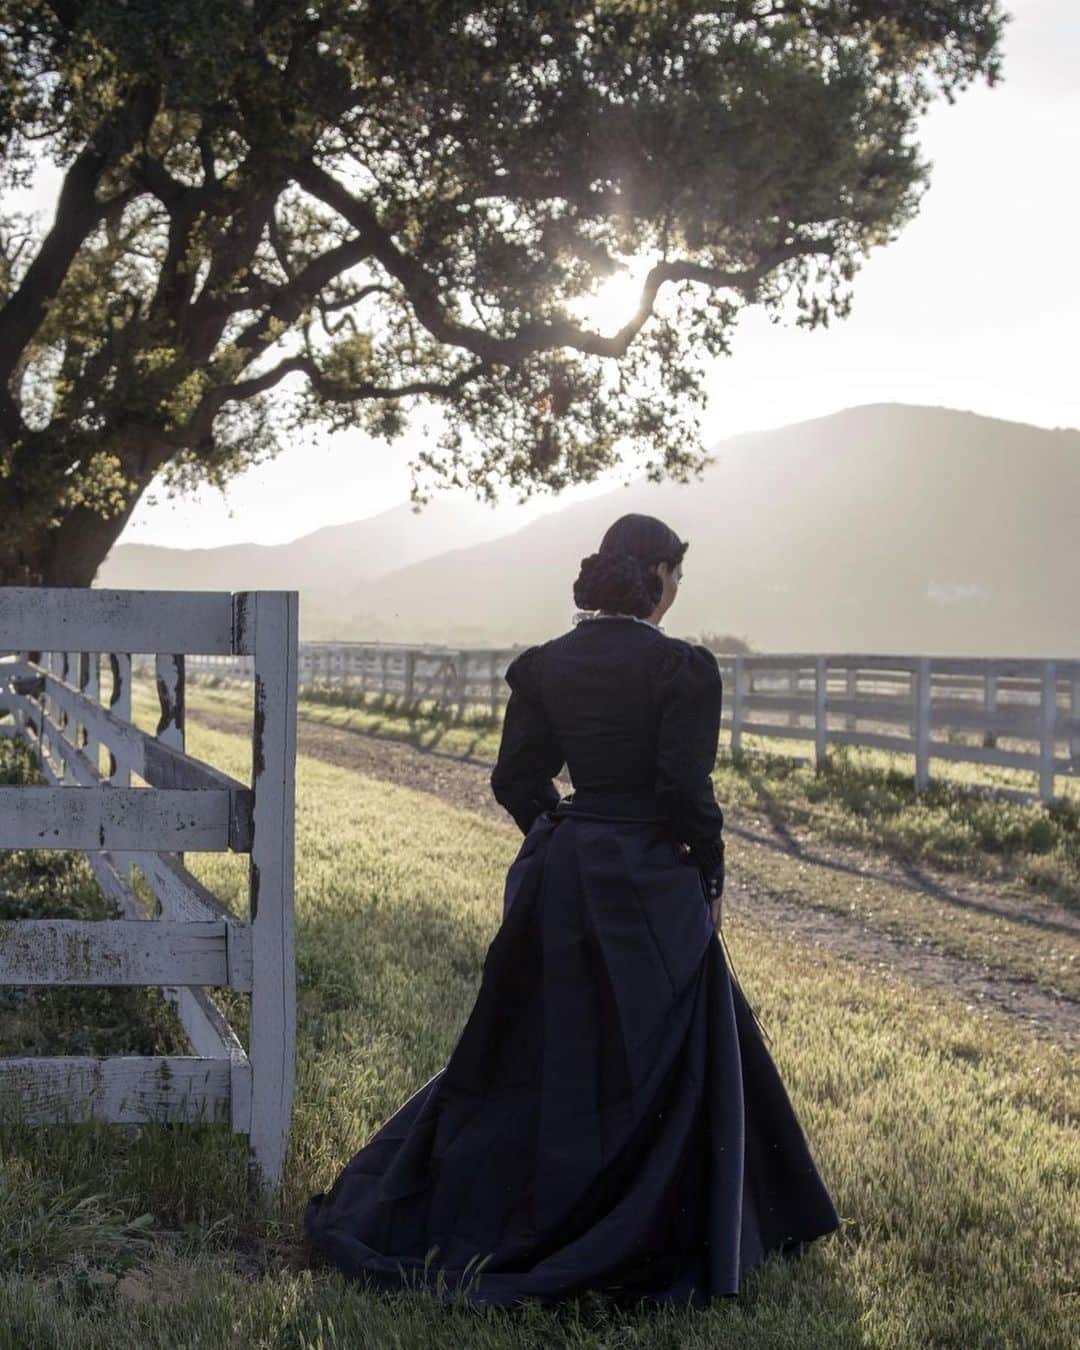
[610, 1118]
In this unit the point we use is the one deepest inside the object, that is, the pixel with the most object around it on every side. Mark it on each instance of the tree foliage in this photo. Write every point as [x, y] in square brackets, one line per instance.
[280, 214]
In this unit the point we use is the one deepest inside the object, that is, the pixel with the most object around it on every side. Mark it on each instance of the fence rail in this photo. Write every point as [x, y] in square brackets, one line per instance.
[53, 702]
[1021, 714]
[453, 678]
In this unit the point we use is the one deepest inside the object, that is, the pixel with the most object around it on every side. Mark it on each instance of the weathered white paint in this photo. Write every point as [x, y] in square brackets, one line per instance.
[160, 766]
[194, 942]
[179, 894]
[120, 706]
[157, 760]
[118, 952]
[211, 1035]
[114, 819]
[273, 999]
[125, 1090]
[78, 620]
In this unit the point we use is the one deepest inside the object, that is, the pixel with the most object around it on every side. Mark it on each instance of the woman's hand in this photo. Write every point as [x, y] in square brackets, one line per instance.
[714, 885]
[714, 889]
[715, 907]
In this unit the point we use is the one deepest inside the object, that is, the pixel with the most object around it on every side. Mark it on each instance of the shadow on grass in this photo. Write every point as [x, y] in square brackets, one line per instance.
[857, 793]
[913, 880]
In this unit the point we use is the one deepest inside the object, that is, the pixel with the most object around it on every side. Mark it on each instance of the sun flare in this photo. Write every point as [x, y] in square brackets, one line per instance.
[615, 300]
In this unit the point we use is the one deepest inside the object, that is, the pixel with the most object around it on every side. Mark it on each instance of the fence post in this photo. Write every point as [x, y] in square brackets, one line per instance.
[821, 724]
[54, 667]
[444, 673]
[410, 674]
[169, 677]
[1047, 731]
[461, 682]
[273, 991]
[92, 689]
[1074, 712]
[81, 737]
[990, 705]
[737, 706]
[120, 706]
[922, 722]
[851, 692]
[493, 685]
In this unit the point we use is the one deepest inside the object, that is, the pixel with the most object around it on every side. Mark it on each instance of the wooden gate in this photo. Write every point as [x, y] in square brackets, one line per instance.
[194, 942]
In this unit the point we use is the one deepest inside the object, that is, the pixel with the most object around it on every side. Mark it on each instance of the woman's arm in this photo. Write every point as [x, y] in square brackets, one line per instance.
[690, 693]
[529, 752]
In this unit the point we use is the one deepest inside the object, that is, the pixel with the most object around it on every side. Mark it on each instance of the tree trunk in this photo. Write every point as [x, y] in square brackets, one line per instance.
[68, 554]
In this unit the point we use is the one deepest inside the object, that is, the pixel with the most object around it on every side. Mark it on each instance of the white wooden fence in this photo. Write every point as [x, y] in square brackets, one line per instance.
[1019, 714]
[194, 942]
[452, 677]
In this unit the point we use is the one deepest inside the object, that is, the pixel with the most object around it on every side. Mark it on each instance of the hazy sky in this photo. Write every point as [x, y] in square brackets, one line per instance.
[974, 307]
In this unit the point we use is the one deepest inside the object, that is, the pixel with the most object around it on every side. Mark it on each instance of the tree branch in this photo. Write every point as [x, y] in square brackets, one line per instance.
[77, 214]
[421, 288]
[337, 392]
[285, 303]
[327, 388]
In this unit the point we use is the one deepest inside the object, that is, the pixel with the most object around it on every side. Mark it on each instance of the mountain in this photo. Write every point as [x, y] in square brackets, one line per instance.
[317, 564]
[882, 528]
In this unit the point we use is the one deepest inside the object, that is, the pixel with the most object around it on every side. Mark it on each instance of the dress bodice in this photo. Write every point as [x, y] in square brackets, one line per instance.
[626, 708]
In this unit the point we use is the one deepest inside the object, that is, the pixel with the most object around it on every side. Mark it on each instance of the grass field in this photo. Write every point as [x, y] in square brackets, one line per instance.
[948, 1139]
[864, 797]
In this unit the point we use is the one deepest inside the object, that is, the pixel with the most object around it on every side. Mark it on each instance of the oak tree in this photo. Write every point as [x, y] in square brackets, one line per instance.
[279, 215]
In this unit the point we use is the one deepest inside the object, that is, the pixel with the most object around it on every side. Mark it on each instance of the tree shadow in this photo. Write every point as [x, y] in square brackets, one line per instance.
[909, 877]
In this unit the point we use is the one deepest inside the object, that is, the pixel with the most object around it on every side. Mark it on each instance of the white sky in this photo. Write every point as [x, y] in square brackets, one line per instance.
[974, 307]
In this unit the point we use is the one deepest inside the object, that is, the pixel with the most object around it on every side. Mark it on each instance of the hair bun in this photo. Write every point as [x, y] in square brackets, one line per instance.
[615, 581]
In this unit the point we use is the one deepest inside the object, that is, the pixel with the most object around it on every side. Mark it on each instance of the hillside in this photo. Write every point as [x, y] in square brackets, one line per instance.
[317, 563]
[880, 528]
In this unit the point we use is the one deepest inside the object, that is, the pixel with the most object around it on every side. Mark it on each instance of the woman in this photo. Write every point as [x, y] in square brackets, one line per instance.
[609, 1118]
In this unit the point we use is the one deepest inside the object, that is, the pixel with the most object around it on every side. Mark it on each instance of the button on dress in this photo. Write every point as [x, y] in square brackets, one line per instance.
[610, 1118]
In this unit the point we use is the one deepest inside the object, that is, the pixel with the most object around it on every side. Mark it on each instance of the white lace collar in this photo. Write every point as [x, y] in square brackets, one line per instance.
[583, 615]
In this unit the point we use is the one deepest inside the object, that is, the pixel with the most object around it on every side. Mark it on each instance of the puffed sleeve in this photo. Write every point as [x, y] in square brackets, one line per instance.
[689, 692]
[529, 753]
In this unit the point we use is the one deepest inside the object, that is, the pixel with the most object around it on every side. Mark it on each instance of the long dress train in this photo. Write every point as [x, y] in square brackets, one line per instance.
[609, 1119]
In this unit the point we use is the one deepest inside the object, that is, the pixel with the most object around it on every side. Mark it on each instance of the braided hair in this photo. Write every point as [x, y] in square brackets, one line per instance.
[618, 578]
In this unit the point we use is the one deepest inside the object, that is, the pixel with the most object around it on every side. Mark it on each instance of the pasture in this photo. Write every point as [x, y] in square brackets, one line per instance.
[947, 1139]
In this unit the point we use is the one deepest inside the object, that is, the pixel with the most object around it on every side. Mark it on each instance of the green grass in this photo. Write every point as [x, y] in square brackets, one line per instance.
[946, 1135]
[1029, 944]
[422, 724]
[863, 797]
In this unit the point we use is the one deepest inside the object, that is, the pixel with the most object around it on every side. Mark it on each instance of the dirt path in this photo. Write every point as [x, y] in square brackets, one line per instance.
[465, 783]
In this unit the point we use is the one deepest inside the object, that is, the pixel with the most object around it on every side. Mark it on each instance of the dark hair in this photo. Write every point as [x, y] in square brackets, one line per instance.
[618, 578]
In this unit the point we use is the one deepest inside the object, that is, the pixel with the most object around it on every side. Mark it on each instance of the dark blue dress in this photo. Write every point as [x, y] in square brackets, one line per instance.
[610, 1118]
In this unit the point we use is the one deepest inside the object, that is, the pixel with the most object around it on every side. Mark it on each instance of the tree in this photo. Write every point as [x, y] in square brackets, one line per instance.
[281, 214]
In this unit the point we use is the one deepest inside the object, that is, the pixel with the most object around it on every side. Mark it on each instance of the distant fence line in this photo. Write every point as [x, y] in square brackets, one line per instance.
[1018, 713]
